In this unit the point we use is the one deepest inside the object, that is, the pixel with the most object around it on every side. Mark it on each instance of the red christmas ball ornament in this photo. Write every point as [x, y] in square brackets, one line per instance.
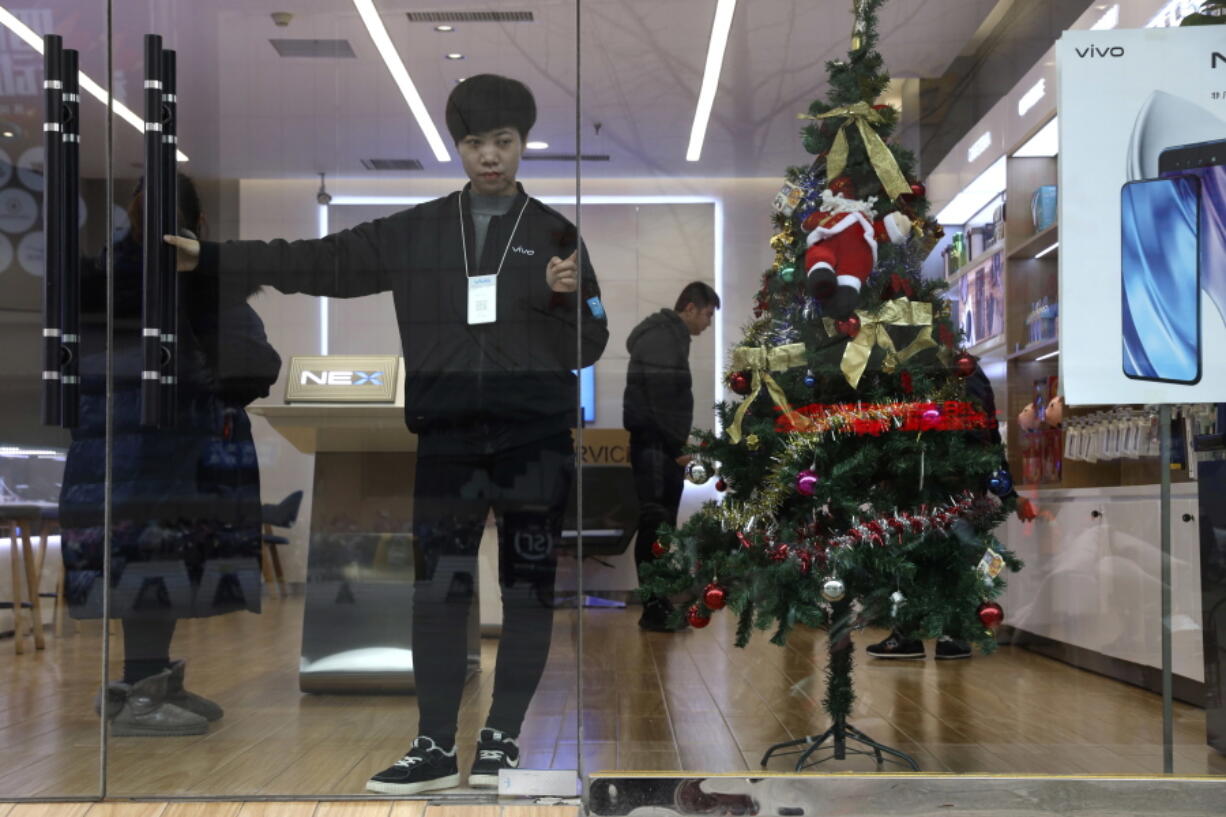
[715, 597]
[740, 382]
[964, 365]
[843, 186]
[918, 191]
[696, 619]
[849, 326]
[720, 485]
[806, 482]
[991, 614]
[658, 549]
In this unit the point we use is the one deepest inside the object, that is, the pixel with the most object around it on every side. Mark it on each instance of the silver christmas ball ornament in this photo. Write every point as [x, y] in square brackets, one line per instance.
[697, 472]
[833, 589]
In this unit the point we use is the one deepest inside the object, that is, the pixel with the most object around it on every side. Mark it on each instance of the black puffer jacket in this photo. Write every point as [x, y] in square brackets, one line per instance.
[659, 397]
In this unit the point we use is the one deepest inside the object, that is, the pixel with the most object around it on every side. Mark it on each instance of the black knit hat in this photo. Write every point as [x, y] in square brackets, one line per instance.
[488, 101]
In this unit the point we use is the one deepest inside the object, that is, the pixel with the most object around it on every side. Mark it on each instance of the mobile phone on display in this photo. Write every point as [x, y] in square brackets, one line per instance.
[1160, 260]
[1206, 161]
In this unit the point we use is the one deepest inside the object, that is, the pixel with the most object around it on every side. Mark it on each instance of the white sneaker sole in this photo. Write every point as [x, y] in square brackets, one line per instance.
[448, 782]
[902, 655]
[483, 781]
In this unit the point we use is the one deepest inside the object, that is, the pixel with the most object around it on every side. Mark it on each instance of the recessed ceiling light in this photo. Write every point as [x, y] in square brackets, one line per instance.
[537, 146]
[444, 28]
[455, 56]
[8, 134]
[461, 79]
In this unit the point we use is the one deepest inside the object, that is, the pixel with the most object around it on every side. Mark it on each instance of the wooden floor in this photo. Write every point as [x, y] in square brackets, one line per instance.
[682, 702]
[275, 809]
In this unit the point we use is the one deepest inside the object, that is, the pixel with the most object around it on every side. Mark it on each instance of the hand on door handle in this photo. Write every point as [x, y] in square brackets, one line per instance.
[187, 252]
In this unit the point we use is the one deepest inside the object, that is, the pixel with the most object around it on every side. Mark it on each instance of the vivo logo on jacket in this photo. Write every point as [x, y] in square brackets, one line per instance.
[523, 251]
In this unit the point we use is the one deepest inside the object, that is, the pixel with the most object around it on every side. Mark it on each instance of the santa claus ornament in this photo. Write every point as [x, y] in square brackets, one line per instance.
[842, 249]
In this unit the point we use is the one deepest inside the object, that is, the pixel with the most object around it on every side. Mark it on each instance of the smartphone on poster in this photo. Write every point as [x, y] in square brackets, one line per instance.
[1160, 279]
[1206, 161]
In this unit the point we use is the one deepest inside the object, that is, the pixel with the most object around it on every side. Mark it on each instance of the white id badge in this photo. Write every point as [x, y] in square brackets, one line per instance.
[482, 299]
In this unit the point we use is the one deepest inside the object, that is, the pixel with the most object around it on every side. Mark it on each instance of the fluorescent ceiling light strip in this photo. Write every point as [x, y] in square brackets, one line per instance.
[395, 66]
[95, 90]
[1047, 356]
[323, 302]
[1046, 251]
[720, 27]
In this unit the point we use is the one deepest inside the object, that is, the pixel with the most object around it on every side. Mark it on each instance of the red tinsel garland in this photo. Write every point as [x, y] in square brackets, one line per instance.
[876, 419]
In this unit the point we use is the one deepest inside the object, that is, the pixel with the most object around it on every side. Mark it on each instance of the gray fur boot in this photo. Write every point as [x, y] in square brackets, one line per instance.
[180, 697]
[146, 712]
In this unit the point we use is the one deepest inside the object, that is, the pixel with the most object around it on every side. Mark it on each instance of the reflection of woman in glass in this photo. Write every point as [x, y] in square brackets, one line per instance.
[185, 518]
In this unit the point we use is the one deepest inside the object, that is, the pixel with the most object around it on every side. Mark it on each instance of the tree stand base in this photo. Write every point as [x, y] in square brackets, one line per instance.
[835, 739]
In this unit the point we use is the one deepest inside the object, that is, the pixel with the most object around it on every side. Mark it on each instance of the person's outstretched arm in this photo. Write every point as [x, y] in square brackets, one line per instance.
[346, 264]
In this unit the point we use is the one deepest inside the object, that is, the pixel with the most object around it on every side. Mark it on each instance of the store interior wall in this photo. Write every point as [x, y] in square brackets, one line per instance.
[1012, 38]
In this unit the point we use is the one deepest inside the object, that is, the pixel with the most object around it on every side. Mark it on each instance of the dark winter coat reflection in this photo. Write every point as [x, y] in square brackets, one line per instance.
[185, 515]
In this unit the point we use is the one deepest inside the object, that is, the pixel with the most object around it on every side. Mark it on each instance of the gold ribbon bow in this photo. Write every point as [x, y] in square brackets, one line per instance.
[879, 154]
[874, 332]
[760, 361]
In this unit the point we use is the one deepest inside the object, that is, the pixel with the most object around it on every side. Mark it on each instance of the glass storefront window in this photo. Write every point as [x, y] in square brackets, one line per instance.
[528, 389]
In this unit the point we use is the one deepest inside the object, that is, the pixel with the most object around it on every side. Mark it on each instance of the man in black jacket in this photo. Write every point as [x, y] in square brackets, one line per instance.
[491, 334]
[658, 411]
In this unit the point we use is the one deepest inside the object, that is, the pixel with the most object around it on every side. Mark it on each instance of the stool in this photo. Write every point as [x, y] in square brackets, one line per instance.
[17, 519]
[281, 515]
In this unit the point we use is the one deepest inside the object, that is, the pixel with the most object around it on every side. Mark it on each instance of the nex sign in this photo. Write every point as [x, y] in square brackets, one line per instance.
[340, 377]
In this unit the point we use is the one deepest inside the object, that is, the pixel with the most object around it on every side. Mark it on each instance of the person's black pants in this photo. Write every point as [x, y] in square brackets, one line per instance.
[527, 487]
[658, 480]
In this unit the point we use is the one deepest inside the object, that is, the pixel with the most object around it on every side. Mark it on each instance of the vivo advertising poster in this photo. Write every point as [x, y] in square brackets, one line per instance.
[1143, 215]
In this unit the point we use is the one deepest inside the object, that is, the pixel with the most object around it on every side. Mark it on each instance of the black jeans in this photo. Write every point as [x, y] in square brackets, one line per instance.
[527, 487]
[658, 480]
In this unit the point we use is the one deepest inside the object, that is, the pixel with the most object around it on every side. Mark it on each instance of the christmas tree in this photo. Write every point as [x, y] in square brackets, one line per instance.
[861, 477]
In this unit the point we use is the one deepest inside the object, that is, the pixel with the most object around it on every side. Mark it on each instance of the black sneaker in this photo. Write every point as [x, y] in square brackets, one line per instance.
[425, 768]
[495, 750]
[897, 647]
[657, 615]
[949, 649]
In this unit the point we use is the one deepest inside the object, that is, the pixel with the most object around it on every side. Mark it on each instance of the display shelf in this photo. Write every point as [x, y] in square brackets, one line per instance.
[975, 262]
[987, 346]
[1030, 247]
[1034, 351]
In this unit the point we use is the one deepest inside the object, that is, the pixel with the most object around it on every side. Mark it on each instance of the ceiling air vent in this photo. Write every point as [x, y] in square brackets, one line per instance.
[564, 157]
[332, 49]
[470, 17]
[391, 164]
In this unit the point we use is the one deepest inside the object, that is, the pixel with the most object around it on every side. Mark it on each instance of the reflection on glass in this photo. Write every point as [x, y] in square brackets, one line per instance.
[185, 513]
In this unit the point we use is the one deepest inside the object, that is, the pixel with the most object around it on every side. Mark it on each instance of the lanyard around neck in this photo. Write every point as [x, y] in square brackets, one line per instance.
[464, 237]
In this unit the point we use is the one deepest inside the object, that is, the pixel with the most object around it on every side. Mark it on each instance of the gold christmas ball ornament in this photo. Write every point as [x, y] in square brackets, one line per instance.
[753, 442]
